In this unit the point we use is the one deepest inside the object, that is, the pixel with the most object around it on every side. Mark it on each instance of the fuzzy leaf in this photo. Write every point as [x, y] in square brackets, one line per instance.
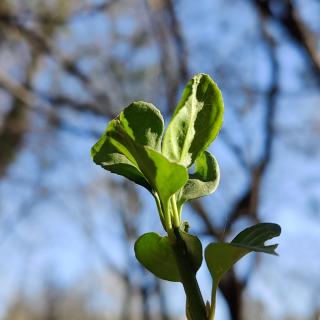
[143, 123]
[203, 181]
[136, 134]
[194, 247]
[155, 254]
[196, 121]
[220, 257]
[165, 176]
[104, 154]
[140, 124]
[253, 238]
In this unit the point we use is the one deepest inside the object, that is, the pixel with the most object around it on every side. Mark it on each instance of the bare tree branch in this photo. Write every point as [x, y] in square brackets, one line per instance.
[289, 19]
[248, 203]
[175, 31]
[173, 54]
[43, 45]
[42, 102]
[200, 210]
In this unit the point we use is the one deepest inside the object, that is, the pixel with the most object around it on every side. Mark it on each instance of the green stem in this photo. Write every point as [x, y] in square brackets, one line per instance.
[195, 301]
[167, 217]
[160, 211]
[213, 302]
[175, 214]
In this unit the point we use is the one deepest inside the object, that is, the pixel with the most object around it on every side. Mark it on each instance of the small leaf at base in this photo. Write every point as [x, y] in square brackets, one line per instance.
[220, 257]
[156, 254]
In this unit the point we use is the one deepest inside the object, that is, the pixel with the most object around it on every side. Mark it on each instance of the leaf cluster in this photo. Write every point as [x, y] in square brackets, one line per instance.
[137, 146]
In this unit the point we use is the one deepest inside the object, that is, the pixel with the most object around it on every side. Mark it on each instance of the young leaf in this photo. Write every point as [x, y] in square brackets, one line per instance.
[142, 122]
[253, 238]
[164, 176]
[196, 121]
[194, 247]
[155, 254]
[104, 154]
[203, 181]
[136, 134]
[133, 138]
[220, 257]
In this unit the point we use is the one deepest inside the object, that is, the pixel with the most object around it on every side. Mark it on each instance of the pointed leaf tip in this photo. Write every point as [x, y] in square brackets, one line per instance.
[195, 122]
[254, 237]
[203, 181]
[220, 257]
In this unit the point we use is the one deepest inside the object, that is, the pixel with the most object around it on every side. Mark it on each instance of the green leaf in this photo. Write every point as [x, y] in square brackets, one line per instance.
[156, 254]
[129, 146]
[194, 247]
[196, 121]
[220, 257]
[253, 238]
[203, 181]
[136, 134]
[104, 154]
[165, 176]
[140, 124]
[143, 123]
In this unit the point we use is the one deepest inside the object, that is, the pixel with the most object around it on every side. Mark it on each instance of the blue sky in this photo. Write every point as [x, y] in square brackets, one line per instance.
[57, 171]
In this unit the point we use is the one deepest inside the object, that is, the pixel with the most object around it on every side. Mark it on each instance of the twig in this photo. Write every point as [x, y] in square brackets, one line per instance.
[289, 19]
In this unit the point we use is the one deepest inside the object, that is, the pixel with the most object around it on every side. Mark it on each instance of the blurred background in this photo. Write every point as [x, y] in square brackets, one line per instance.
[67, 227]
